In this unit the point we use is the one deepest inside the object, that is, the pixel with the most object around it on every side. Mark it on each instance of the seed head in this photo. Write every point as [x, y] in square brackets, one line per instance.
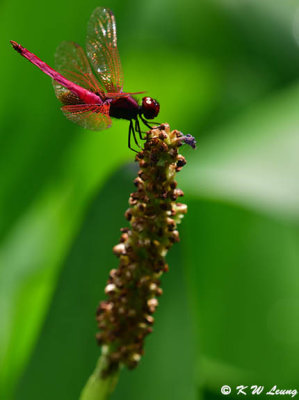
[132, 289]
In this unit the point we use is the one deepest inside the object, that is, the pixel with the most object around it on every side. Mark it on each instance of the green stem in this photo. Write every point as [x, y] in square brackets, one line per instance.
[97, 387]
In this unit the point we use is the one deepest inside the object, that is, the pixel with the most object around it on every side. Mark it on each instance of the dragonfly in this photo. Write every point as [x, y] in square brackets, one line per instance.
[90, 85]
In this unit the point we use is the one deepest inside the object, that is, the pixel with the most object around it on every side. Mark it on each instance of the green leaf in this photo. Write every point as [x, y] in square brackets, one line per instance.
[252, 161]
[243, 282]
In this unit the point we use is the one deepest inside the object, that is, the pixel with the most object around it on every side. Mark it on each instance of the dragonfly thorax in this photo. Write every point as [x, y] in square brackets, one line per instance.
[150, 108]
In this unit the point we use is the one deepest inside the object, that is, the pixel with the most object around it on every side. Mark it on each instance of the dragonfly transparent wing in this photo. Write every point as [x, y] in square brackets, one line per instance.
[90, 116]
[102, 50]
[72, 63]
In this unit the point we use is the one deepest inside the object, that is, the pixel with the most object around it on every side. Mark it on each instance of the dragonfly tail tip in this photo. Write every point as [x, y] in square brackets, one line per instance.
[16, 46]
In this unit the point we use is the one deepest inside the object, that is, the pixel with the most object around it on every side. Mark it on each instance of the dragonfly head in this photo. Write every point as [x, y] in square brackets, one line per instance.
[150, 108]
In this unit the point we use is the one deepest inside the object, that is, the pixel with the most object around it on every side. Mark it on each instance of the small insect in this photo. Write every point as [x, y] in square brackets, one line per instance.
[91, 88]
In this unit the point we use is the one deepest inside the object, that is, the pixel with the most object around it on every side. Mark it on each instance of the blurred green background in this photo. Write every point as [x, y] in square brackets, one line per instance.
[226, 71]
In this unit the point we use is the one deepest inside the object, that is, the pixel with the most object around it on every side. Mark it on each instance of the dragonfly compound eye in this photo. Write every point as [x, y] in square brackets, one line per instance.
[150, 107]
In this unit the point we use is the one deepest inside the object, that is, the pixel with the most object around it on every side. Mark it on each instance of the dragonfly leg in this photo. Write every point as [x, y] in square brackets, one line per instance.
[134, 136]
[132, 132]
[138, 129]
[146, 123]
[129, 136]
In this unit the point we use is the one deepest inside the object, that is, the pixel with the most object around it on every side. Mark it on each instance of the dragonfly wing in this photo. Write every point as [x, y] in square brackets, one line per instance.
[102, 50]
[72, 63]
[118, 95]
[90, 116]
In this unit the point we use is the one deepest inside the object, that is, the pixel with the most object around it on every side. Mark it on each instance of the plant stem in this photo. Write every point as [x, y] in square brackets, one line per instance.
[96, 387]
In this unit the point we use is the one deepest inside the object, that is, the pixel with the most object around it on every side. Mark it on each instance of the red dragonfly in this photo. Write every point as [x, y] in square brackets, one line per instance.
[91, 88]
